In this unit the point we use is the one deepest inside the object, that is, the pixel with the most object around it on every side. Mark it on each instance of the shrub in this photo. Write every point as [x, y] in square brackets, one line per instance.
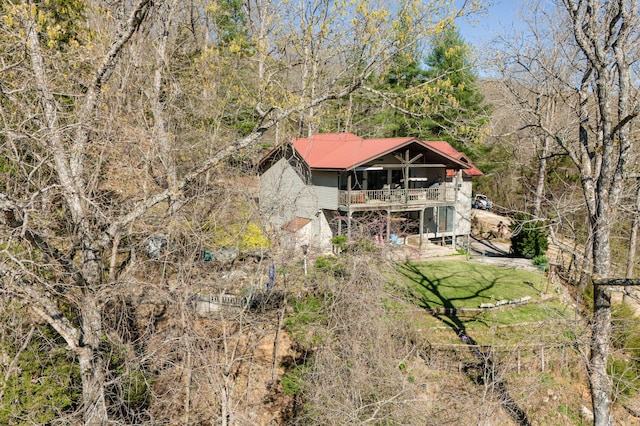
[540, 261]
[339, 242]
[330, 264]
[626, 329]
[242, 235]
[528, 240]
[306, 322]
[293, 381]
[624, 369]
[46, 382]
[624, 375]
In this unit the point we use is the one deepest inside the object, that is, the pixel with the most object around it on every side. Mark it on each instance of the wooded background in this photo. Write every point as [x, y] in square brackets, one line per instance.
[125, 122]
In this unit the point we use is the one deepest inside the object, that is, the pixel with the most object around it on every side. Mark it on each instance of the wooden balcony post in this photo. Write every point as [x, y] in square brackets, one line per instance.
[421, 227]
[388, 224]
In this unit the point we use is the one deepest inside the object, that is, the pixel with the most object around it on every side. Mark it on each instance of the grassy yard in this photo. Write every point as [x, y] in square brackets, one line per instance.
[459, 284]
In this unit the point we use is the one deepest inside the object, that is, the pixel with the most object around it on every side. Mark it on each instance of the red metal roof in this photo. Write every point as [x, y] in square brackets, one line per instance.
[344, 151]
[446, 148]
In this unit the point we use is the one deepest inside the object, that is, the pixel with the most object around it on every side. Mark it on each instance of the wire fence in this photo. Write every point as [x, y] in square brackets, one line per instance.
[514, 359]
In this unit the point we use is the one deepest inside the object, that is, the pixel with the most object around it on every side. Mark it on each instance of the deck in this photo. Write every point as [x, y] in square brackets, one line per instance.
[397, 199]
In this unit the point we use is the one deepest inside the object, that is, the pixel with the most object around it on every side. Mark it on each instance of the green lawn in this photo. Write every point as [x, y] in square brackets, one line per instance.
[454, 284]
[459, 284]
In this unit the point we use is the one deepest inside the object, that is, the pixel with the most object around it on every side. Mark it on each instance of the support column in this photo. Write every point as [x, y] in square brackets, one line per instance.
[453, 225]
[388, 225]
[457, 186]
[421, 227]
[349, 207]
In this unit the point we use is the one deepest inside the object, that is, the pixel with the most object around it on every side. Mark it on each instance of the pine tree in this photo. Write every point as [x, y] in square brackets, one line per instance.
[460, 112]
[433, 97]
[403, 85]
[528, 238]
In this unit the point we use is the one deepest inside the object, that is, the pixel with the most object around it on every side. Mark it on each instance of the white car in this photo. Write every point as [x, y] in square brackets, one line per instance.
[481, 202]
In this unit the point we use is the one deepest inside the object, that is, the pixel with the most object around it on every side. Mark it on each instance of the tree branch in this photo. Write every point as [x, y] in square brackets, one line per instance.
[142, 207]
[14, 214]
[617, 282]
[102, 75]
[41, 304]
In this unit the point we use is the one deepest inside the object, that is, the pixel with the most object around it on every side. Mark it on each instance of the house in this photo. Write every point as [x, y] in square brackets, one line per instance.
[339, 183]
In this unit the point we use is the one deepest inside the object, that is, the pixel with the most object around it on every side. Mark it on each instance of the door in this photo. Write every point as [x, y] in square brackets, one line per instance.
[430, 221]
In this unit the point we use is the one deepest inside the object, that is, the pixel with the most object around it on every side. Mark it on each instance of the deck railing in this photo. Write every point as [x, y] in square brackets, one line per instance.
[395, 196]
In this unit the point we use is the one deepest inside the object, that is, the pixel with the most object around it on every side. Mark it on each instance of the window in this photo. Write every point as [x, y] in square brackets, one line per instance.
[445, 218]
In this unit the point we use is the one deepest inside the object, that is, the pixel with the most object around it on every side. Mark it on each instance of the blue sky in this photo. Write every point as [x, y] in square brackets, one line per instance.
[502, 17]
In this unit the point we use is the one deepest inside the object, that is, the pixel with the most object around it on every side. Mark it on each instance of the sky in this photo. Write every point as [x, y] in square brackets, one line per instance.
[501, 18]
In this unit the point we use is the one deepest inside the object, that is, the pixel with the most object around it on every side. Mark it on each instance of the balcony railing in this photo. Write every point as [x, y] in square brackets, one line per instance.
[395, 196]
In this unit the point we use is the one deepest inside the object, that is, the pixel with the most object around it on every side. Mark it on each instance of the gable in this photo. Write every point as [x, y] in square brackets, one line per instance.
[346, 151]
[445, 147]
[294, 161]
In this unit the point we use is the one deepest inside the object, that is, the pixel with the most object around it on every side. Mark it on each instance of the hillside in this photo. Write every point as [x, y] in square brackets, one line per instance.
[145, 279]
[533, 349]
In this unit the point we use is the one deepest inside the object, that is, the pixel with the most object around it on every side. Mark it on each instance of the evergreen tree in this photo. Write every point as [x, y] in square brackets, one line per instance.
[39, 380]
[230, 26]
[432, 98]
[402, 85]
[528, 239]
[396, 99]
[460, 112]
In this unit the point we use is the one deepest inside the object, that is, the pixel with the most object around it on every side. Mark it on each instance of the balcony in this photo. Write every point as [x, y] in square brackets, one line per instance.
[396, 198]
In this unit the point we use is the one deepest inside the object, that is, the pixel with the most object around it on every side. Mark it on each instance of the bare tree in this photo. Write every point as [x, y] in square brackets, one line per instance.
[593, 77]
[103, 133]
[356, 367]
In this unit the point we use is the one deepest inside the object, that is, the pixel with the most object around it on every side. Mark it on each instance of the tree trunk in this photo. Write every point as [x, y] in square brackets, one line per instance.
[549, 115]
[542, 173]
[93, 378]
[633, 238]
[92, 364]
[224, 406]
[599, 379]
[601, 385]
[157, 105]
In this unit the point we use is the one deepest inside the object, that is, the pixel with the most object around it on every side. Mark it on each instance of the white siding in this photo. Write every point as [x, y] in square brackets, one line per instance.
[463, 208]
[316, 234]
[325, 185]
[284, 195]
[462, 212]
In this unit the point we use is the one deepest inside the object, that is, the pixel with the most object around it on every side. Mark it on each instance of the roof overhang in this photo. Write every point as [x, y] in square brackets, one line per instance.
[367, 161]
[449, 162]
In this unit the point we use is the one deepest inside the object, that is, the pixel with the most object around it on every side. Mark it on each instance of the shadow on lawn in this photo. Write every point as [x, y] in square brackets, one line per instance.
[483, 372]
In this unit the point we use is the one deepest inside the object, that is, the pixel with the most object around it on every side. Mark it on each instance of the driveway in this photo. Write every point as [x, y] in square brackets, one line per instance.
[487, 246]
